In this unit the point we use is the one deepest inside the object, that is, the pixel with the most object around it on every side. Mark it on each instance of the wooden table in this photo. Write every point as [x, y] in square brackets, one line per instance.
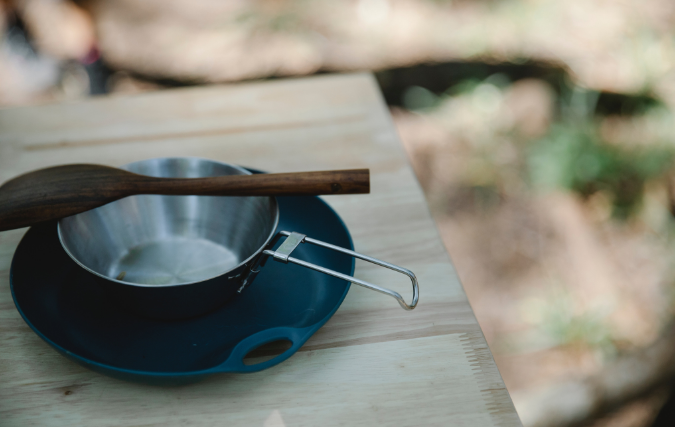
[372, 364]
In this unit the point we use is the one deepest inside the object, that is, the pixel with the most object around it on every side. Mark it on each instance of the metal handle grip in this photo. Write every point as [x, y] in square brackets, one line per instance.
[293, 239]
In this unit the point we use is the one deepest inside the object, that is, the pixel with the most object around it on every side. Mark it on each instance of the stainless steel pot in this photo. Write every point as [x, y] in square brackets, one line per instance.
[175, 257]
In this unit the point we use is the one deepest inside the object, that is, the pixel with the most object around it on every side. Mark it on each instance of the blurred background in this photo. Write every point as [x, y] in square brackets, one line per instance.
[540, 130]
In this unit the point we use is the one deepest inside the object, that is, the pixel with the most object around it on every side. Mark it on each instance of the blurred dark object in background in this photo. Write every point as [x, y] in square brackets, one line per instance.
[98, 73]
[666, 416]
[49, 53]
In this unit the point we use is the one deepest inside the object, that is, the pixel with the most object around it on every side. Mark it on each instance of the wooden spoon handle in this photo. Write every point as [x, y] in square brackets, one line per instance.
[356, 181]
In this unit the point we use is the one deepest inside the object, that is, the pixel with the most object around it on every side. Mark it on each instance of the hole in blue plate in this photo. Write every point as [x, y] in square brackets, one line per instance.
[267, 352]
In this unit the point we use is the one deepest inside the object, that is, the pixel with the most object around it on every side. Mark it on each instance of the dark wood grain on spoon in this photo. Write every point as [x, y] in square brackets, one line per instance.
[66, 190]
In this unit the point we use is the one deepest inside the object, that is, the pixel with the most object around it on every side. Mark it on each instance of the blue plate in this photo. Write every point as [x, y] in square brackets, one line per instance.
[285, 302]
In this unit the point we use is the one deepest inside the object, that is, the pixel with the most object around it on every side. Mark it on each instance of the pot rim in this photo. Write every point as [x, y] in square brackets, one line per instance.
[144, 285]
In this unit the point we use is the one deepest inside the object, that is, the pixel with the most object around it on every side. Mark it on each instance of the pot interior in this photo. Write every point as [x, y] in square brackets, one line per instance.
[170, 240]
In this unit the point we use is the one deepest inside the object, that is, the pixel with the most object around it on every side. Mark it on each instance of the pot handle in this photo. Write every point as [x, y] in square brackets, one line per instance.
[293, 239]
[235, 362]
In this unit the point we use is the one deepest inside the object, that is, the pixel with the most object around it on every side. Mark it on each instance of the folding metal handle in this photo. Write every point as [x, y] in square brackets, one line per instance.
[284, 251]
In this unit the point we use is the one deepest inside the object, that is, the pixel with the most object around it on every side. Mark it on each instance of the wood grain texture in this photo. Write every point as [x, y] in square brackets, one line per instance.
[371, 364]
[65, 190]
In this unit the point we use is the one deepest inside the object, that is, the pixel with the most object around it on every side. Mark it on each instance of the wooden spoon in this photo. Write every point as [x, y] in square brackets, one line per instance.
[66, 190]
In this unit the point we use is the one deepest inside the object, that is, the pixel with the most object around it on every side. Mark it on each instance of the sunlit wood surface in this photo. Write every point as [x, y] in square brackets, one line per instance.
[372, 364]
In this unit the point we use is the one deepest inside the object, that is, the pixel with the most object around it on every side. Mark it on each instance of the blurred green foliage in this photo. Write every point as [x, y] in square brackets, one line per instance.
[558, 320]
[417, 98]
[574, 156]
[562, 322]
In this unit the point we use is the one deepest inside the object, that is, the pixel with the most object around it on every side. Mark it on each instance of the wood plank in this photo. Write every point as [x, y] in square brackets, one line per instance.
[372, 363]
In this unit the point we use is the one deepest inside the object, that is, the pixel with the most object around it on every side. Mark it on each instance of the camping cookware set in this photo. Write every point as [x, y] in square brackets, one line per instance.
[154, 245]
